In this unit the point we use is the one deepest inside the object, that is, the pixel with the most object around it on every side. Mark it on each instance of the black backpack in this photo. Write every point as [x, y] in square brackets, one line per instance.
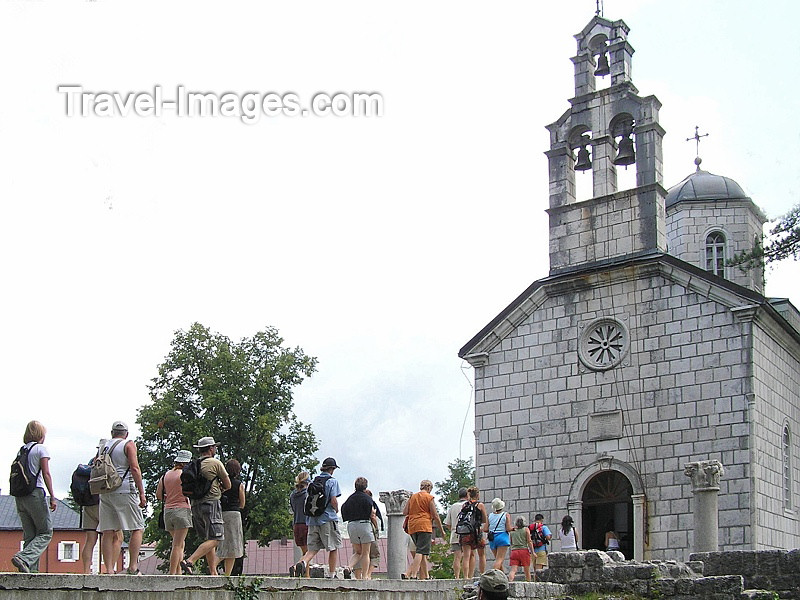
[79, 486]
[22, 482]
[316, 501]
[469, 519]
[193, 484]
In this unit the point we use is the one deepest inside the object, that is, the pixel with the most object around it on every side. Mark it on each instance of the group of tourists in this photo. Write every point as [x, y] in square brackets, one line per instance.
[213, 512]
[210, 500]
[315, 508]
[472, 528]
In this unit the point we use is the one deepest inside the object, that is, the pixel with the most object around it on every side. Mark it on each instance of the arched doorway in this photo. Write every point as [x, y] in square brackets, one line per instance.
[607, 500]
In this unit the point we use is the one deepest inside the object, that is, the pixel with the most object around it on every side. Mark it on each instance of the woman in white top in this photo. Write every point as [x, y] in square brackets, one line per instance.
[612, 539]
[33, 509]
[567, 535]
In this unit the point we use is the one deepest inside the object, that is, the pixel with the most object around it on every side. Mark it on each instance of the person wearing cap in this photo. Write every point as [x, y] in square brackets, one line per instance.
[297, 502]
[207, 511]
[323, 531]
[493, 585]
[177, 510]
[121, 509]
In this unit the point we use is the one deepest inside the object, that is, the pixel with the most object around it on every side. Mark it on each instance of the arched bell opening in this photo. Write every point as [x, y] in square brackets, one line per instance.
[598, 46]
[580, 144]
[622, 129]
[608, 506]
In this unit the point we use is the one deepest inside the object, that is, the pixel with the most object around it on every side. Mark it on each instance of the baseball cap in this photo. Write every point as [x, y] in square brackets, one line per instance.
[119, 426]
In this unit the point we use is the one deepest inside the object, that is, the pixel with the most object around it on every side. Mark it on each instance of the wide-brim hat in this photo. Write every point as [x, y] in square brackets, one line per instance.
[183, 456]
[205, 442]
[498, 504]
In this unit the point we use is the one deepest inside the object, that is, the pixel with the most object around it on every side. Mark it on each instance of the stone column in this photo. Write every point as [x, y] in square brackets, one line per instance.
[639, 526]
[705, 476]
[397, 547]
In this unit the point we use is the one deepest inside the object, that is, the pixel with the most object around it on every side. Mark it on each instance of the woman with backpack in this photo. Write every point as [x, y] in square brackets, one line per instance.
[231, 546]
[32, 505]
[473, 520]
[499, 526]
[177, 510]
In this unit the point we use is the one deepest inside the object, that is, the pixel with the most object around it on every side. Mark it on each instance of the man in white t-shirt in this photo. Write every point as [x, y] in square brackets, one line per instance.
[451, 522]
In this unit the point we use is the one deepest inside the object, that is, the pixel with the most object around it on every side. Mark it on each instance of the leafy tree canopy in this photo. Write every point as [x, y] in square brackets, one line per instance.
[783, 242]
[462, 474]
[241, 394]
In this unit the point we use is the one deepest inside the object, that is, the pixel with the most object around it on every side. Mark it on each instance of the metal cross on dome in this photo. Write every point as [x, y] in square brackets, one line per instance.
[696, 137]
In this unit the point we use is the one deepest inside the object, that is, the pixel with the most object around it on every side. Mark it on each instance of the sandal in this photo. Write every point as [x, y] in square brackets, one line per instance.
[187, 567]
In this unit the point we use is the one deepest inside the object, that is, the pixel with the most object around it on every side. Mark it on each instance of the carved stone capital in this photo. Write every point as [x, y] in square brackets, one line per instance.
[394, 501]
[705, 475]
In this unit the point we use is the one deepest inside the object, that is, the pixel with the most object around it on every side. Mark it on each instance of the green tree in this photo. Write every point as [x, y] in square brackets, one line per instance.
[461, 474]
[784, 242]
[241, 394]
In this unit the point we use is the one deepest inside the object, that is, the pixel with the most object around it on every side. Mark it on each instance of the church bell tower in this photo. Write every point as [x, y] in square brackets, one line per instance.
[604, 130]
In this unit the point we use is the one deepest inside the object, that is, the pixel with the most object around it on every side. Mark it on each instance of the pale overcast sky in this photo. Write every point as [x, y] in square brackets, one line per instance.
[378, 245]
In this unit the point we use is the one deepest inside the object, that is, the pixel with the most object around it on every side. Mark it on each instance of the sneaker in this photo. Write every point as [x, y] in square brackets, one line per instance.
[21, 566]
[291, 570]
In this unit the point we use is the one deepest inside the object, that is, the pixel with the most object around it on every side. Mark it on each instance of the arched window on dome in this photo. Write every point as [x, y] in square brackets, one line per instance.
[786, 448]
[715, 253]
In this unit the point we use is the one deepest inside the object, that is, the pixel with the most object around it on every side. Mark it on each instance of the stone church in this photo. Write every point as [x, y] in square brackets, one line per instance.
[642, 350]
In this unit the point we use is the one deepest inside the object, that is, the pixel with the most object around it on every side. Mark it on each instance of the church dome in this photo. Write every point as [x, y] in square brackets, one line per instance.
[702, 185]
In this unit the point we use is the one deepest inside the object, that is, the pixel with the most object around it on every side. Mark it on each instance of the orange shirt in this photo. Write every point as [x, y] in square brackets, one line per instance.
[419, 515]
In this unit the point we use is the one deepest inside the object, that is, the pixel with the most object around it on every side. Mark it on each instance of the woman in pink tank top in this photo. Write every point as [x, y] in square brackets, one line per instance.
[177, 510]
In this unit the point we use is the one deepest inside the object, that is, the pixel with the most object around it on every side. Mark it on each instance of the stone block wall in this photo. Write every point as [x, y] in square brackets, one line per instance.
[773, 570]
[776, 404]
[680, 391]
[621, 224]
[593, 572]
[689, 223]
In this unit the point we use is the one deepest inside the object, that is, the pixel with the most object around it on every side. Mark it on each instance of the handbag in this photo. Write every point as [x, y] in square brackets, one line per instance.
[161, 512]
[490, 535]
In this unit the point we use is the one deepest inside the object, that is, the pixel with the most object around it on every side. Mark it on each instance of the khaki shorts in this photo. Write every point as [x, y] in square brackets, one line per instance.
[120, 512]
[90, 517]
[324, 537]
[177, 518]
[541, 559]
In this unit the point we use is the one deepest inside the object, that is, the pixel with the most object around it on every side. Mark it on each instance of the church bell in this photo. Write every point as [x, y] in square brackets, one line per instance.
[583, 163]
[602, 66]
[626, 155]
